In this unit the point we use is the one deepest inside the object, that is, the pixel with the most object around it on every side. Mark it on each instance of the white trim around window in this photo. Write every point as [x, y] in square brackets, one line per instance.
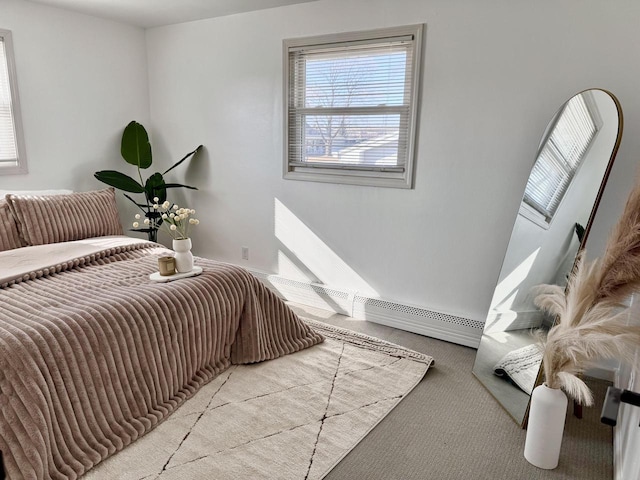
[12, 148]
[350, 106]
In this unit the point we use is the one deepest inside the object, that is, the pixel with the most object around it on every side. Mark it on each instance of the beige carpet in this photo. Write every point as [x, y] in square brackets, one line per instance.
[290, 418]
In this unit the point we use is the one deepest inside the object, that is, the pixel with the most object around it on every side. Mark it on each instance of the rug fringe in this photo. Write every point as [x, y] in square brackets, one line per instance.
[366, 341]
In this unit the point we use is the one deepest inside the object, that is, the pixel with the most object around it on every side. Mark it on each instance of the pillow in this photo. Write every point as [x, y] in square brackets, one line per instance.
[46, 219]
[9, 235]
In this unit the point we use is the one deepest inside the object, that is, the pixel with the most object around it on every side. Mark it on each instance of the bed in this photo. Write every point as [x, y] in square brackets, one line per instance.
[93, 354]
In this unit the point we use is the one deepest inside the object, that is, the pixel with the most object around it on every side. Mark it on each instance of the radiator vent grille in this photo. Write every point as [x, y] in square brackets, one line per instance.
[420, 312]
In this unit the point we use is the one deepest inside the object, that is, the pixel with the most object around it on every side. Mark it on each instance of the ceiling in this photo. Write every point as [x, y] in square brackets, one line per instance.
[154, 13]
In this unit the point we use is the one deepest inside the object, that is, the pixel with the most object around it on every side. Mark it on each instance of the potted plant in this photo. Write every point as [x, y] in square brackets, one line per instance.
[136, 150]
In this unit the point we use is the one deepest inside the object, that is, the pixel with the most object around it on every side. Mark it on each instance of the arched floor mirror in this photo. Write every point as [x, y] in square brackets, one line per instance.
[564, 189]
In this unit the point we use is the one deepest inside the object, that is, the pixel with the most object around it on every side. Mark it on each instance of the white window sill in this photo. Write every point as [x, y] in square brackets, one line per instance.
[533, 216]
[392, 180]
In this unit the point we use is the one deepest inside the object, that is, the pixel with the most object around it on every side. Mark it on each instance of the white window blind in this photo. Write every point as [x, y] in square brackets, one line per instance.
[351, 105]
[11, 145]
[560, 157]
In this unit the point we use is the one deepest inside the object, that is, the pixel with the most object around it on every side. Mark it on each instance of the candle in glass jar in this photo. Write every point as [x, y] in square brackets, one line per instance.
[167, 266]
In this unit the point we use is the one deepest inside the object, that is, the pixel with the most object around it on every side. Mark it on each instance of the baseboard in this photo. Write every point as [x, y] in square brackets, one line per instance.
[443, 326]
[511, 320]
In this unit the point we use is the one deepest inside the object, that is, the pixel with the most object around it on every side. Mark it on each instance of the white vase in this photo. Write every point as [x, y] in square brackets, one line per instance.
[184, 258]
[547, 415]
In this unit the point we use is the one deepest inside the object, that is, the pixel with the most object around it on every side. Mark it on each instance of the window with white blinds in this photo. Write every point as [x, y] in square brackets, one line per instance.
[560, 156]
[12, 158]
[350, 106]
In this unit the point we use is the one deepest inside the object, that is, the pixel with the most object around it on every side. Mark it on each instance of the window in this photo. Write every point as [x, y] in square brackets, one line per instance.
[12, 151]
[560, 156]
[350, 107]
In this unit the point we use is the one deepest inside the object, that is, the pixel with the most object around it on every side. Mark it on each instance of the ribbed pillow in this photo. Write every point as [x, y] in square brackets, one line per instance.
[9, 235]
[46, 219]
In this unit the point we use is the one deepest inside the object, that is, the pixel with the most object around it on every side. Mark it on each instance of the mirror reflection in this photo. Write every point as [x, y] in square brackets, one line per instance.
[561, 197]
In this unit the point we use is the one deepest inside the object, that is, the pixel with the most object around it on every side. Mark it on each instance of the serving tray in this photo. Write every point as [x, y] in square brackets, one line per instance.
[156, 277]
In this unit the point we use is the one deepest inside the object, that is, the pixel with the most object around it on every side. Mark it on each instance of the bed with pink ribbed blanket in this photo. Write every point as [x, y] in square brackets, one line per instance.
[93, 354]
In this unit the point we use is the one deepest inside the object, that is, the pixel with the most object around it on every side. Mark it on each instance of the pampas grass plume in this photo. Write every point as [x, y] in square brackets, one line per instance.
[591, 312]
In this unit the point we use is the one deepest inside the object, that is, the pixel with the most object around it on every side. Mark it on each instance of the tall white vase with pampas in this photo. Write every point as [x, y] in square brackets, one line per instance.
[547, 415]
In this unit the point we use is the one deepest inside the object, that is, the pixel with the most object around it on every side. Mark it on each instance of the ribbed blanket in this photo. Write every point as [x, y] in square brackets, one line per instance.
[93, 354]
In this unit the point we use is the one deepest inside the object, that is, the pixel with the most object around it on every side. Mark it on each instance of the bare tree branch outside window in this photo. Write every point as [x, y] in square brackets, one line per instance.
[341, 80]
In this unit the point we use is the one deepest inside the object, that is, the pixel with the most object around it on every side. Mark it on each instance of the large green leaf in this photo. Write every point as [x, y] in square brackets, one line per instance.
[178, 185]
[155, 187]
[183, 159]
[119, 181]
[135, 147]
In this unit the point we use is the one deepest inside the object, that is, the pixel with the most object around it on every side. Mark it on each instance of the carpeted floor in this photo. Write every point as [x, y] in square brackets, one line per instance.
[449, 426]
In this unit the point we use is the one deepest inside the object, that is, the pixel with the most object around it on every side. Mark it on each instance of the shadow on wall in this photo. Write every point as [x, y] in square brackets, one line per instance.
[303, 256]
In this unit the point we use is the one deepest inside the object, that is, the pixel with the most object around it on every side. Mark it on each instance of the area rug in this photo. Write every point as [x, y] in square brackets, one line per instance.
[521, 366]
[292, 418]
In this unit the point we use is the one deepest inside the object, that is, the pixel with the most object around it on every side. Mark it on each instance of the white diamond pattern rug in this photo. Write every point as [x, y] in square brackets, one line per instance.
[291, 418]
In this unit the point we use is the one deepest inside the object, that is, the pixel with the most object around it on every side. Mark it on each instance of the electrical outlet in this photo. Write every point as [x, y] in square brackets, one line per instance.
[245, 253]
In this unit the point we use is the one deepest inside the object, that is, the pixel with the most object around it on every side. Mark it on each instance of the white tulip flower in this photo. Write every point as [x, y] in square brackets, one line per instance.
[166, 205]
[192, 212]
[164, 216]
[156, 206]
[171, 215]
[146, 221]
[136, 224]
[192, 221]
[197, 221]
[173, 227]
[137, 216]
[176, 207]
[156, 199]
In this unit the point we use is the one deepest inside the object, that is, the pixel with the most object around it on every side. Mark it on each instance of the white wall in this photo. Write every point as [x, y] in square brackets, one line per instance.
[81, 80]
[494, 74]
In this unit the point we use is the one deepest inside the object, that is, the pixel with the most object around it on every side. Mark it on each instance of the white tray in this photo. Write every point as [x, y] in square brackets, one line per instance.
[156, 277]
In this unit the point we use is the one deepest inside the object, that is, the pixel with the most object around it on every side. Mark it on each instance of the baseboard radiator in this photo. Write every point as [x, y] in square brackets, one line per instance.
[443, 326]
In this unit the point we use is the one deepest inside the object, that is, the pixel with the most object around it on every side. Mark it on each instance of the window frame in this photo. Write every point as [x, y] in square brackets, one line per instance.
[382, 176]
[20, 165]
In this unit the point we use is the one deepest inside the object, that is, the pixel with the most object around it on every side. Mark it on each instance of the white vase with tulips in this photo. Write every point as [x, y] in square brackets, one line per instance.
[176, 221]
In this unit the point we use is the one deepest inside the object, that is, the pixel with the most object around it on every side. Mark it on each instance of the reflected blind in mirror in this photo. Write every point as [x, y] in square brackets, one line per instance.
[561, 155]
